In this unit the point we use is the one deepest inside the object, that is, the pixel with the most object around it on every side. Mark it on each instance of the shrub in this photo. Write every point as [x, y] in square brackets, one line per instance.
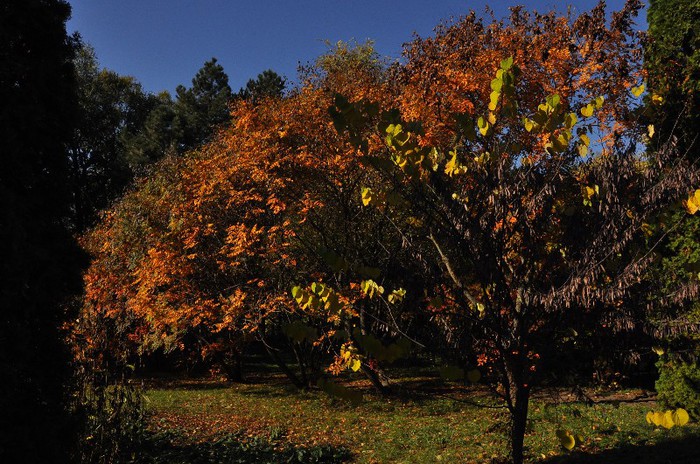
[679, 385]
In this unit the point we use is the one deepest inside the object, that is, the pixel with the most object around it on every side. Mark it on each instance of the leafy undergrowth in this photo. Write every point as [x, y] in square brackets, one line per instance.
[210, 422]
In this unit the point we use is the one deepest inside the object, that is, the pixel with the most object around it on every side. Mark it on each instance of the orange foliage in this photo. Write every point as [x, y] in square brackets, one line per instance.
[579, 59]
[208, 247]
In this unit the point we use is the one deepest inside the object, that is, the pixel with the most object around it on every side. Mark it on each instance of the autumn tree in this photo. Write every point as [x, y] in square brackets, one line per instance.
[503, 194]
[230, 228]
[519, 159]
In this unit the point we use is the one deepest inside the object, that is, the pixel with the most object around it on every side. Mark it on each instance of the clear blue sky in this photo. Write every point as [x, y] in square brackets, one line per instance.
[164, 42]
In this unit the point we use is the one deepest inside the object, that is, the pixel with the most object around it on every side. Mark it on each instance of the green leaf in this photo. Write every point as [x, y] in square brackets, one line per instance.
[553, 101]
[496, 85]
[587, 111]
[367, 271]
[507, 63]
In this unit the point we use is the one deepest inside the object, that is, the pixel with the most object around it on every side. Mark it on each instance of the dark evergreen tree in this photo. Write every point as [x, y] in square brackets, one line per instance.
[267, 84]
[161, 134]
[200, 109]
[672, 60]
[40, 260]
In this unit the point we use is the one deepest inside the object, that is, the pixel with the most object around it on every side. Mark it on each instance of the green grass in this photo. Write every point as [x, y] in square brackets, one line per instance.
[441, 427]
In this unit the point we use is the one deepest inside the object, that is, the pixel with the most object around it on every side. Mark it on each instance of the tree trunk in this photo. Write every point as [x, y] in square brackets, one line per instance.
[379, 381]
[277, 359]
[284, 368]
[232, 363]
[519, 422]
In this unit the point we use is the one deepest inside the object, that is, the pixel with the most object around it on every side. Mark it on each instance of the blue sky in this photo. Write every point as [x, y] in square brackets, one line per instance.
[164, 42]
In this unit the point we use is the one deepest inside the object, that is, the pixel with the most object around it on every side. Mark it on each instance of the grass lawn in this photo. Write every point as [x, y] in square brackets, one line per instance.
[267, 421]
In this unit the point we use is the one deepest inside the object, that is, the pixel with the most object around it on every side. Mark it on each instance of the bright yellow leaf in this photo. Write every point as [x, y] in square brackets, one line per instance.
[680, 417]
[667, 421]
[693, 202]
[637, 91]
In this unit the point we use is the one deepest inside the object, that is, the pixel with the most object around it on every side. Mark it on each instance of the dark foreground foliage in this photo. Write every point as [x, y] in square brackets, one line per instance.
[234, 448]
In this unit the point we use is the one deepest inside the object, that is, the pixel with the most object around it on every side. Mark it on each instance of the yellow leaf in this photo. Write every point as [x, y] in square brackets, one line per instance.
[667, 421]
[355, 365]
[585, 139]
[582, 150]
[649, 417]
[366, 196]
[529, 124]
[680, 417]
[693, 202]
[658, 350]
[650, 130]
[658, 418]
[492, 118]
[397, 296]
[587, 111]
[657, 99]
[484, 126]
[567, 440]
[637, 91]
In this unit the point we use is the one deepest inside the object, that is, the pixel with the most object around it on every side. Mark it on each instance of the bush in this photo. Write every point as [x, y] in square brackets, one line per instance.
[114, 422]
[679, 385]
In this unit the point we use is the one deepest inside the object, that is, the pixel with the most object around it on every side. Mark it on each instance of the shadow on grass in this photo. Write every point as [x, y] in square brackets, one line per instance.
[672, 451]
[234, 448]
[283, 392]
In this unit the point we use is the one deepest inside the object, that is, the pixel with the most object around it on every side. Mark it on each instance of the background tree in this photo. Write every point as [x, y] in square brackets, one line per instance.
[176, 126]
[41, 262]
[267, 84]
[111, 109]
[672, 61]
[202, 108]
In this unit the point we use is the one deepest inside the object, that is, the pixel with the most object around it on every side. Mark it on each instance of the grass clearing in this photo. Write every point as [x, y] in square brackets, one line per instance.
[432, 425]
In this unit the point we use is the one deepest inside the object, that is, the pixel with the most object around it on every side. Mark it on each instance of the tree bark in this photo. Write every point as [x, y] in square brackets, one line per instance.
[519, 422]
